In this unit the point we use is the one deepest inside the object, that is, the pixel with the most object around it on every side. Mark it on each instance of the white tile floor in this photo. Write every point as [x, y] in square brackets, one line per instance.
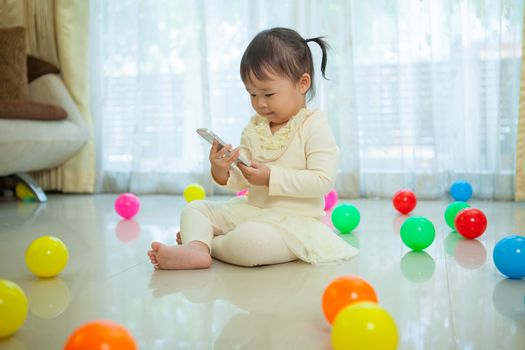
[449, 297]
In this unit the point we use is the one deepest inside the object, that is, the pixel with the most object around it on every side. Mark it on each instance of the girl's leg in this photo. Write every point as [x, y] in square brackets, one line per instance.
[252, 244]
[199, 223]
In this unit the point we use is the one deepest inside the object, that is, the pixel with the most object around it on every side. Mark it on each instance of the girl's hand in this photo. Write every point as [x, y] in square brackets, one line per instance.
[258, 174]
[220, 162]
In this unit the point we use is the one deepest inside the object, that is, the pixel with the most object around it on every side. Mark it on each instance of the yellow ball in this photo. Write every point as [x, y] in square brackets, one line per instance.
[194, 192]
[364, 325]
[46, 256]
[13, 307]
[23, 192]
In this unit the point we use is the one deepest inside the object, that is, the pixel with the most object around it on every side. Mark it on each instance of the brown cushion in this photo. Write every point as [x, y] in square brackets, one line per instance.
[31, 110]
[37, 67]
[13, 70]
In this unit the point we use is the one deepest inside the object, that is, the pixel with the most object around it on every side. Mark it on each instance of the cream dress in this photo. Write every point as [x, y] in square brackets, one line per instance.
[303, 158]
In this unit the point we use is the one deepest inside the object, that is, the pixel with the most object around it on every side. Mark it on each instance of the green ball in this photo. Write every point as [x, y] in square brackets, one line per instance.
[452, 211]
[345, 217]
[417, 232]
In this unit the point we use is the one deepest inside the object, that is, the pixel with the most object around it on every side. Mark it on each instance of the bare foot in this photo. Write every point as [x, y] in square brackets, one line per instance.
[194, 255]
[179, 240]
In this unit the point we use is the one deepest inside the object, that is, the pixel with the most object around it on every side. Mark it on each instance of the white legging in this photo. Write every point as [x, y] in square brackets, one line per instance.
[249, 244]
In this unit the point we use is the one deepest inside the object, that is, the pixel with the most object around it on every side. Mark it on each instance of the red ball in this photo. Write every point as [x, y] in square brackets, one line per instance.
[404, 201]
[470, 223]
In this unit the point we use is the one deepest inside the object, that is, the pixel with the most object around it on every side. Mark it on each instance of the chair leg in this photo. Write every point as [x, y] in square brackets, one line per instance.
[32, 185]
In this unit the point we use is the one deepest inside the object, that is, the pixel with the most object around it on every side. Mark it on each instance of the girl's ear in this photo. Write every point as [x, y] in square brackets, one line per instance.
[304, 83]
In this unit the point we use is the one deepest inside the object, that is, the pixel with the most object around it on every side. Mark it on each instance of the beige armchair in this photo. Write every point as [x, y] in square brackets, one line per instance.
[30, 145]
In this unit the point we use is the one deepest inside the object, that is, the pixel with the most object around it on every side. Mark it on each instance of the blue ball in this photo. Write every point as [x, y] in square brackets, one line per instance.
[461, 191]
[509, 256]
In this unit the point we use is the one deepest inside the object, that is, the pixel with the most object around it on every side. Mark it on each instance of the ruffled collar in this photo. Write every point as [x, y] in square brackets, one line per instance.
[266, 146]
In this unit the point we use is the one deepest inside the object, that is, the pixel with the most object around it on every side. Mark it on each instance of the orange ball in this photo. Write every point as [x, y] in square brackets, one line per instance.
[343, 291]
[101, 335]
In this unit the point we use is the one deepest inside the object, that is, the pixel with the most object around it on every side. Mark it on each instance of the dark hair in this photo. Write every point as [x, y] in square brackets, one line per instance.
[284, 52]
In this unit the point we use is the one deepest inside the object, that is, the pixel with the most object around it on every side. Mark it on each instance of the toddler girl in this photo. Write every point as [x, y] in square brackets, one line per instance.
[294, 164]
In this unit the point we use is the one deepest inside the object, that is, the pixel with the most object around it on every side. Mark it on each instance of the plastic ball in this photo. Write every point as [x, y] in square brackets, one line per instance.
[364, 326]
[243, 192]
[101, 335]
[404, 201]
[461, 191]
[194, 192]
[343, 291]
[345, 217]
[13, 307]
[127, 205]
[23, 192]
[470, 223]
[417, 232]
[46, 256]
[330, 199]
[452, 211]
[509, 256]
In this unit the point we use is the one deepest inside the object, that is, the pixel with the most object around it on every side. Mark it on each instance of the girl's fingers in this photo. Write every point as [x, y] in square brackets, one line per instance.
[233, 156]
[223, 151]
[213, 149]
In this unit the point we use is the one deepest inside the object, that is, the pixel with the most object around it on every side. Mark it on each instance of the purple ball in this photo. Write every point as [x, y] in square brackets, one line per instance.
[127, 205]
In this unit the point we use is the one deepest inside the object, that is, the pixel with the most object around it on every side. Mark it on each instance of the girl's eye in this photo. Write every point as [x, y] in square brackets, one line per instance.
[252, 95]
[269, 95]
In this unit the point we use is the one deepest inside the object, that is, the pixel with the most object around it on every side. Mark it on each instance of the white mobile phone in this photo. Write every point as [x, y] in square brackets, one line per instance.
[209, 136]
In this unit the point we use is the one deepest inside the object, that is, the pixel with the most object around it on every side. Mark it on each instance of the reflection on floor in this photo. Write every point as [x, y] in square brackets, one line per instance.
[448, 297]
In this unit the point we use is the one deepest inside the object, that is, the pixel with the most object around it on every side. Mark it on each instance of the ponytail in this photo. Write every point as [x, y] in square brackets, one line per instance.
[324, 46]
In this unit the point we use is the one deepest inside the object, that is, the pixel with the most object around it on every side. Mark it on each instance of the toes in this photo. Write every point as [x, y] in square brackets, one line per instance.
[156, 246]
[152, 256]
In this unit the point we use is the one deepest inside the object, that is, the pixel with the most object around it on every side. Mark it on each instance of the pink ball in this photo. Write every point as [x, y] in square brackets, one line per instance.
[127, 205]
[330, 199]
[242, 192]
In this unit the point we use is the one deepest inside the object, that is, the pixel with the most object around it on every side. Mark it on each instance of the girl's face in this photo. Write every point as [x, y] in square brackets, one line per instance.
[277, 98]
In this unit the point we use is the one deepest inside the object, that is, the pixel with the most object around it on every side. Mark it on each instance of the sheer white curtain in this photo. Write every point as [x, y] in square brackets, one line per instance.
[420, 92]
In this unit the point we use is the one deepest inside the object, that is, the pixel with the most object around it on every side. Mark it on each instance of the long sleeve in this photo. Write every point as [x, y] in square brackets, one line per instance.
[321, 165]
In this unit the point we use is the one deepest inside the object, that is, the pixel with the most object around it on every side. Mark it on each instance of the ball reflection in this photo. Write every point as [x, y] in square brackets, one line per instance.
[351, 239]
[417, 266]
[48, 298]
[470, 253]
[398, 222]
[508, 298]
[127, 230]
[451, 241]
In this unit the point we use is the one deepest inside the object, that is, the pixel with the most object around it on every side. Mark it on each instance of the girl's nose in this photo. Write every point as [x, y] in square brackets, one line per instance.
[261, 102]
